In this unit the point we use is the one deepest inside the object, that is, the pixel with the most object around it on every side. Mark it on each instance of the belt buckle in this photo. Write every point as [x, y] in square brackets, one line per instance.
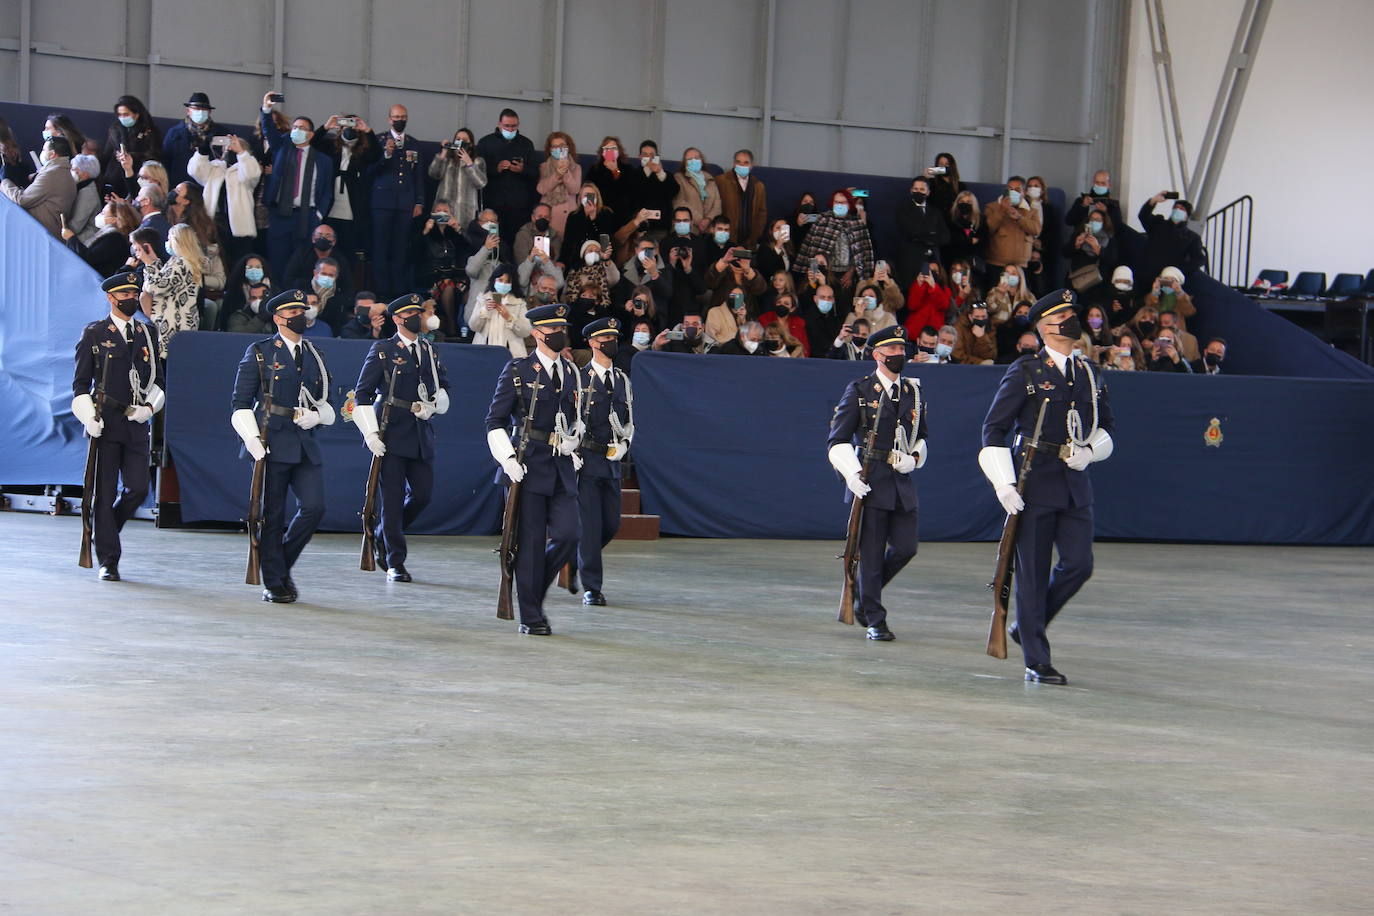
[554, 439]
[612, 450]
[892, 457]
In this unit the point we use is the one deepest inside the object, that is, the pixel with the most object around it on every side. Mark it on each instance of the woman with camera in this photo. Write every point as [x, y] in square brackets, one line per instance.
[441, 269]
[461, 175]
[350, 143]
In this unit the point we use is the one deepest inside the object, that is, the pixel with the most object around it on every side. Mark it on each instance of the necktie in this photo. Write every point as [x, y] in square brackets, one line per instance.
[129, 335]
[557, 378]
[300, 176]
[896, 392]
[300, 359]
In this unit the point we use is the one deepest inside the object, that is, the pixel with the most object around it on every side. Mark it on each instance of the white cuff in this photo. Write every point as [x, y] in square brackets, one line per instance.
[843, 459]
[365, 418]
[920, 452]
[498, 442]
[1101, 444]
[156, 398]
[83, 408]
[245, 423]
[996, 464]
[326, 412]
[441, 401]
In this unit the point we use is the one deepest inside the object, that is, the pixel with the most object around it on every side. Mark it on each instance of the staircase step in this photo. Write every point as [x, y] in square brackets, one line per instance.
[638, 528]
[629, 502]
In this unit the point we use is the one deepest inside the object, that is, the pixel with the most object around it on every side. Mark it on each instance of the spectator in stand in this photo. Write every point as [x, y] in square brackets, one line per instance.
[724, 319]
[975, 343]
[654, 189]
[560, 179]
[483, 239]
[1012, 225]
[733, 269]
[1212, 357]
[512, 173]
[150, 204]
[881, 303]
[778, 282]
[1097, 334]
[1093, 256]
[544, 291]
[1185, 343]
[314, 326]
[785, 312]
[301, 267]
[696, 190]
[646, 268]
[1010, 289]
[1164, 355]
[927, 302]
[922, 229]
[1037, 194]
[1144, 325]
[641, 337]
[945, 185]
[945, 341]
[747, 341]
[1121, 300]
[538, 260]
[352, 148]
[589, 223]
[189, 208]
[744, 200]
[442, 270]
[397, 196]
[841, 237]
[369, 321]
[966, 231]
[498, 317]
[777, 342]
[150, 172]
[186, 136]
[824, 322]
[1125, 353]
[85, 170]
[333, 291]
[927, 342]
[684, 235]
[717, 245]
[962, 287]
[228, 175]
[133, 134]
[246, 289]
[1025, 344]
[614, 179]
[1168, 240]
[429, 320]
[461, 175]
[688, 337]
[775, 252]
[852, 340]
[1009, 333]
[594, 272]
[300, 189]
[685, 266]
[1100, 194]
[1167, 295]
[108, 249]
[804, 216]
[626, 239]
[59, 125]
[51, 194]
[637, 307]
[171, 289]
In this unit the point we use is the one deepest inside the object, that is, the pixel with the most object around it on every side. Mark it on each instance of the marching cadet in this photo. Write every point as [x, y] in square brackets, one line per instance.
[1058, 497]
[403, 374]
[888, 535]
[286, 376]
[116, 390]
[607, 414]
[548, 497]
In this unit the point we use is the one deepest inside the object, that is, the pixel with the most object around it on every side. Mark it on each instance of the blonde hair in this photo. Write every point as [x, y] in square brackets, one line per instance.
[960, 198]
[157, 174]
[182, 242]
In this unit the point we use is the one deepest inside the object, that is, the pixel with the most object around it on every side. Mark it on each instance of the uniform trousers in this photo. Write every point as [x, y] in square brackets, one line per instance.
[547, 539]
[120, 467]
[887, 541]
[406, 486]
[390, 245]
[598, 503]
[1042, 592]
[278, 551]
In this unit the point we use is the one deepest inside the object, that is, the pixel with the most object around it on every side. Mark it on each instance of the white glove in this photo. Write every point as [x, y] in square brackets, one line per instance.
[307, 418]
[423, 410]
[94, 428]
[903, 464]
[141, 414]
[375, 444]
[498, 443]
[567, 445]
[514, 469]
[245, 423]
[83, 408]
[856, 485]
[156, 398]
[1010, 499]
[577, 461]
[1079, 457]
[441, 401]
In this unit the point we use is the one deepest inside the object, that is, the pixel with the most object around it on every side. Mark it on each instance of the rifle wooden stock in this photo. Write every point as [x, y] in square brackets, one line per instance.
[509, 550]
[565, 578]
[368, 562]
[1006, 551]
[252, 575]
[88, 479]
[851, 561]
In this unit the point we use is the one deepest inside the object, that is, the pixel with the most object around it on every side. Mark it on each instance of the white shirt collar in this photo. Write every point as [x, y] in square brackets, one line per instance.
[399, 138]
[601, 371]
[120, 323]
[291, 346]
[1061, 360]
[547, 363]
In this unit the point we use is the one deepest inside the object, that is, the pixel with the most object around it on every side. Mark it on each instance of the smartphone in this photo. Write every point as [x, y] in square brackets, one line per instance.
[938, 170]
[859, 193]
[276, 98]
[219, 142]
[675, 335]
[654, 214]
[741, 254]
[1171, 195]
[121, 150]
[605, 241]
[814, 265]
[541, 245]
[882, 265]
[517, 160]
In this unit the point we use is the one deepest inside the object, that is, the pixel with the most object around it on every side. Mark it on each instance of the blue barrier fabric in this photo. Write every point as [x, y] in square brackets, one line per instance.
[214, 480]
[736, 448]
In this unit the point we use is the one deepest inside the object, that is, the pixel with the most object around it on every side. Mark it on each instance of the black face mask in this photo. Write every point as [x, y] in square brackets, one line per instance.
[964, 209]
[978, 322]
[1071, 327]
[860, 341]
[808, 209]
[691, 333]
[1146, 328]
[399, 125]
[412, 323]
[348, 134]
[541, 225]
[1021, 320]
[323, 244]
[585, 304]
[919, 196]
[1212, 359]
[296, 324]
[1027, 351]
[610, 348]
[894, 363]
[782, 310]
[556, 341]
[127, 307]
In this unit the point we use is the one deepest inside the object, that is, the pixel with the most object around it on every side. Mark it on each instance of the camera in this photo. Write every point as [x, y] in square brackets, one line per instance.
[1171, 195]
[682, 251]
[348, 122]
[219, 142]
[440, 218]
[454, 145]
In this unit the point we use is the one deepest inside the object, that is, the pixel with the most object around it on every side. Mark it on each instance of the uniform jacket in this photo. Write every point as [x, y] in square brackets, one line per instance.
[406, 434]
[1029, 381]
[597, 404]
[103, 342]
[286, 442]
[398, 183]
[854, 417]
[284, 163]
[543, 468]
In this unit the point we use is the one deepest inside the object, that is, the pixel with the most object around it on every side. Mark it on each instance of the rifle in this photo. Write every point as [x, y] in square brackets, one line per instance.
[255, 497]
[509, 550]
[1006, 551]
[88, 496]
[368, 562]
[856, 515]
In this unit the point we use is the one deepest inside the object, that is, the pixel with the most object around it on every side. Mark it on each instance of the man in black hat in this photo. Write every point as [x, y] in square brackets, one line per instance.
[406, 445]
[184, 138]
[888, 538]
[286, 372]
[548, 386]
[608, 415]
[1056, 507]
[116, 390]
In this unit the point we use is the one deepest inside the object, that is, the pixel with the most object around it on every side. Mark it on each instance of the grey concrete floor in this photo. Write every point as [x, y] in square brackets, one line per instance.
[712, 742]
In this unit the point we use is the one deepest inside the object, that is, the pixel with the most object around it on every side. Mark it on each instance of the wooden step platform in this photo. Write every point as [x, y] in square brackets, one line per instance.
[634, 525]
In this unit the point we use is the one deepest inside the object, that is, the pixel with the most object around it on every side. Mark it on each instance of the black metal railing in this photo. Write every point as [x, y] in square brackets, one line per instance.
[1226, 234]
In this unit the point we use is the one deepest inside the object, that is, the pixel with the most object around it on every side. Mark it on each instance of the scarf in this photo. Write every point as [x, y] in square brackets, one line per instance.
[700, 179]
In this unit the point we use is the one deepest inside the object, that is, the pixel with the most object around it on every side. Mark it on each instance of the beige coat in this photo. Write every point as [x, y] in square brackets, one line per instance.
[688, 196]
[50, 197]
[491, 329]
[1009, 240]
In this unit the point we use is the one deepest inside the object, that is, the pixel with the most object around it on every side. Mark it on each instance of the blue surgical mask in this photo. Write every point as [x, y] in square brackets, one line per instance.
[1178, 216]
[825, 305]
[641, 338]
[298, 136]
[683, 227]
[694, 165]
[200, 115]
[324, 282]
[509, 134]
[870, 303]
[127, 122]
[1014, 198]
[742, 171]
[840, 210]
[943, 350]
[1095, 226]
[1012, 280]
[558, 152]
[721, 236]
[1100, 190]
[253, 274]
[501, 287]
[48, 135]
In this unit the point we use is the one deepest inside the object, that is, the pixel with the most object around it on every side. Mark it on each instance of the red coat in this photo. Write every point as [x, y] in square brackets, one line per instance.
[796, 326]
[925, 305]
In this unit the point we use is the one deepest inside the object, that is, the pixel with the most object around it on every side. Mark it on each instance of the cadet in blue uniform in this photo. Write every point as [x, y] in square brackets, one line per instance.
[398, 196]
[123, 353]
[1058, 502]
[548, 498]
[888, 535]
[406, 445]
[607, 414]
[290, 371]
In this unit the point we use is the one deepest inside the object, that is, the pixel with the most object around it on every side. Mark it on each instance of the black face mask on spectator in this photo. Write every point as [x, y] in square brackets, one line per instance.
[399, 125]
[919, 196]
[1020, 320]
[323, 244]
[978, 322]
[860, 341]
[930, 350]
[541, 225]
[584, 303]
[690, 333]
[1212, 359]
[782, 309]
[808, 209]
[1146, 328]
[1027, 351]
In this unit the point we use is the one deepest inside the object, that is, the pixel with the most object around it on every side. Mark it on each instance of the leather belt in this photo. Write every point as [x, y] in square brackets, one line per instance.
[1061, 449]
[280, 411]
[610, 449]
[877, 454]
[548, 436]
[106, 402]
[407, 406]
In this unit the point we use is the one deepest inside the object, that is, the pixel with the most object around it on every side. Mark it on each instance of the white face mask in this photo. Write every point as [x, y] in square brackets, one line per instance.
[1033, 193]
[432, 323]
[591, 258]
[200, 115]
[641, 338]
[310, 313]
[255, 305]
[751, 345]
[1122, 286]
[957, 277]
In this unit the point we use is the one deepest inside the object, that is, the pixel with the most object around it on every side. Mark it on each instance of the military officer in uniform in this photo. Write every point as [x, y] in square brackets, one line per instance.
[398, 197]
[118, 377]
[1057, 506]
[888, 537]
[607, 414]
[285, 375]
[406, 445]
[548, 498]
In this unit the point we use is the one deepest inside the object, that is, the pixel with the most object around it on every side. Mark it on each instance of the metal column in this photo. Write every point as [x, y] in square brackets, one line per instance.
[25, 48]
[770, 16]
[1013, 9]
[1168, 96]
[560, 12]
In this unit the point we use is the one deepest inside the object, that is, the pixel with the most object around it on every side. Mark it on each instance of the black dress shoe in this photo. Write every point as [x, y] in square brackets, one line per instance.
[1015, 634]
[536, 629]
[1044, 674]
[290, 586]
[398, 573]
[278, 594]
[880, 633]
[593, 597]
[110, 572]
